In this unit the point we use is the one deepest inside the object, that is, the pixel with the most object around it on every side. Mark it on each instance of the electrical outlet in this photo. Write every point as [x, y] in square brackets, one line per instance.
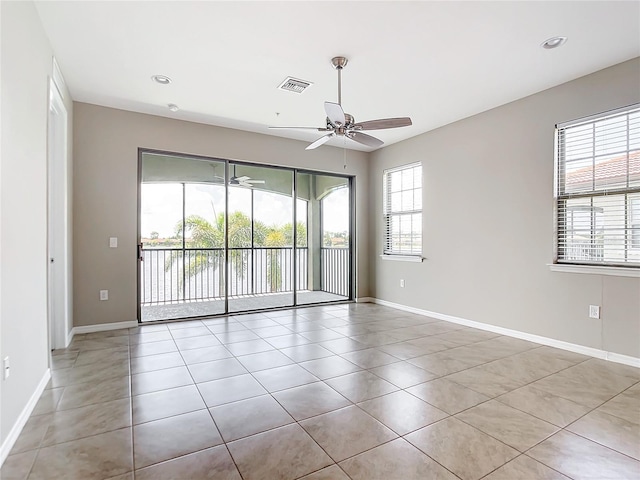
[104, 294]
[594, 311]
[5, 367]
[402, 283]
[113, 242]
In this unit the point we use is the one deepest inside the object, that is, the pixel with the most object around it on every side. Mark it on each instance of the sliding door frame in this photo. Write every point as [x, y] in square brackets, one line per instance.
[227, 163]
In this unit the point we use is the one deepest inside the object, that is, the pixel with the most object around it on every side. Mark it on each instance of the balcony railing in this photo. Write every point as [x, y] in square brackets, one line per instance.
[171, 275]
[335, 270]
[579, 250]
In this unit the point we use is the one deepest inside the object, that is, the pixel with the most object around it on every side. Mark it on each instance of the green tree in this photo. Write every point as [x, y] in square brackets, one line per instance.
[281, 237]
[275, 238]
[301, 234]
[202, 234]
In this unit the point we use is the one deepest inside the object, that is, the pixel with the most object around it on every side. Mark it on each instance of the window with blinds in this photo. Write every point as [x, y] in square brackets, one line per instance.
[598, 189]
[402, 193]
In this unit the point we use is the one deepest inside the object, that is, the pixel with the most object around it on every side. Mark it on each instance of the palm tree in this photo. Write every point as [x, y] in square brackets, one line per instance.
[275, 238]
[205, 236]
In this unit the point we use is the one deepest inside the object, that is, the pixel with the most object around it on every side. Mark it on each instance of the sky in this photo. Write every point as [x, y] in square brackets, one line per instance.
[162, 206]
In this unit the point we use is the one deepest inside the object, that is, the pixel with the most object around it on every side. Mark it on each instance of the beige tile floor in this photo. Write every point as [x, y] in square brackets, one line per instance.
[355, 391]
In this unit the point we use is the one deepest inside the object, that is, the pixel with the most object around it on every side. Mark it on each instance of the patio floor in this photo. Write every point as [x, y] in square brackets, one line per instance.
[151, 313]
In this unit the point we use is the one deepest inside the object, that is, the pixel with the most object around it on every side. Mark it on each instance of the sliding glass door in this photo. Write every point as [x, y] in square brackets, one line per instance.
[181, 248]
[260, 237]
[220, 237]
[324, 201]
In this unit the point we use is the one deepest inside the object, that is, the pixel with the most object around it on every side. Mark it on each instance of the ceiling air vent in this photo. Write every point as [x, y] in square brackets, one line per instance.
[295, 85]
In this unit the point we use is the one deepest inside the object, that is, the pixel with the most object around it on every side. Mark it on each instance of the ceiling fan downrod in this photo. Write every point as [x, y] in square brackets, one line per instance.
[339, 63]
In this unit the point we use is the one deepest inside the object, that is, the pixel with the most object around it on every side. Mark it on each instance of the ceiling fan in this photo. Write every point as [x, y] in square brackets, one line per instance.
[243, 181]
[341, 124]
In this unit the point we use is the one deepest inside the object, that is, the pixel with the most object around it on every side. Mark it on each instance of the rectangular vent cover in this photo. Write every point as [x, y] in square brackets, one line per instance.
[295, 85]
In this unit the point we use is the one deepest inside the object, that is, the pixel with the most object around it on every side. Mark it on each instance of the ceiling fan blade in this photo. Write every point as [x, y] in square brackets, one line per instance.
[383, 123]
[245, 184]
[335, 113]
[254, 181]
[365, 139]
[242, 179]
[320, 141]
[302, 128]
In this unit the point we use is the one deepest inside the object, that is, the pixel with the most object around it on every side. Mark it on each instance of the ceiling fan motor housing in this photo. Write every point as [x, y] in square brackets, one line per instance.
[349, 122]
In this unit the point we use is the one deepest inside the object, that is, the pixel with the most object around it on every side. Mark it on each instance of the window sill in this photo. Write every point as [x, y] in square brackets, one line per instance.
[595, 270]
[402, 258]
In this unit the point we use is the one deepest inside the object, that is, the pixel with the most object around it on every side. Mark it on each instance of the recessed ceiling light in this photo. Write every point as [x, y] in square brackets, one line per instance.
[161, 79]
[554, 42]
[173, 107]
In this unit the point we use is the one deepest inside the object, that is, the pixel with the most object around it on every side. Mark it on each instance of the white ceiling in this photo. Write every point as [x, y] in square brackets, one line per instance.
[436, 62]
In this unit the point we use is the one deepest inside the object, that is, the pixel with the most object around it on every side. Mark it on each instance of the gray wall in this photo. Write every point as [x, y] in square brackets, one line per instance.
[106, 145]
[26, 65]
[488, 221]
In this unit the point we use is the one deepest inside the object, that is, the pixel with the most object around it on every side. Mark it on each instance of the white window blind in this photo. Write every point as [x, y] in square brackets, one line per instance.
[598, 189]
[403, 210]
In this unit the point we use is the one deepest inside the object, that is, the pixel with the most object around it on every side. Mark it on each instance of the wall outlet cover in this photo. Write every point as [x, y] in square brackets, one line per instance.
[104, 294]
[594, 311]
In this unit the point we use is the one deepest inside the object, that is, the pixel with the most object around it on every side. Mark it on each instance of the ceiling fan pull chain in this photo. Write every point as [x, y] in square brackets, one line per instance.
[344, 149]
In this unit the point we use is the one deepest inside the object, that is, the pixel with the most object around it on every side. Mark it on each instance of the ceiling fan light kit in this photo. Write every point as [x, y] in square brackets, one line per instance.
[341, 124]
[243, 181]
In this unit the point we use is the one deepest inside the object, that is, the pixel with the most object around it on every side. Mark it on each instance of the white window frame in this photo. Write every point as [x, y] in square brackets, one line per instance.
[596, 263]
[388, 252]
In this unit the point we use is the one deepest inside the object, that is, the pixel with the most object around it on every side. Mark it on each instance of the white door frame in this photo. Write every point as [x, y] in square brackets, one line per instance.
[58, 257]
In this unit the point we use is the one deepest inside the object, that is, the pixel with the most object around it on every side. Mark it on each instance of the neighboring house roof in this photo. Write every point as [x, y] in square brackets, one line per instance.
[611, 172]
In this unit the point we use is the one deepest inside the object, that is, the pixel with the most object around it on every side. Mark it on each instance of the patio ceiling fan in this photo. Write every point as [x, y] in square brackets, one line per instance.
[243, 181]
[341, 124]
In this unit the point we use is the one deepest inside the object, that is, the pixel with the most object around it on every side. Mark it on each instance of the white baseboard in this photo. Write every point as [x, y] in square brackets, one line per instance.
[102, 327]
[8, 443]
[551, 342]
[365, 300]
[626, 359]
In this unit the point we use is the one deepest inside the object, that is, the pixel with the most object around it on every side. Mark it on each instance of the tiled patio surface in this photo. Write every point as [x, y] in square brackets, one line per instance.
[243, 303]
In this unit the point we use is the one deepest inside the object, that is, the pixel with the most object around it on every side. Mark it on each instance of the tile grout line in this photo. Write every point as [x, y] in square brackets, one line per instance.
[347, 406]
[297, 422]
[133, 445]
[208, 409]
[267, 392]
